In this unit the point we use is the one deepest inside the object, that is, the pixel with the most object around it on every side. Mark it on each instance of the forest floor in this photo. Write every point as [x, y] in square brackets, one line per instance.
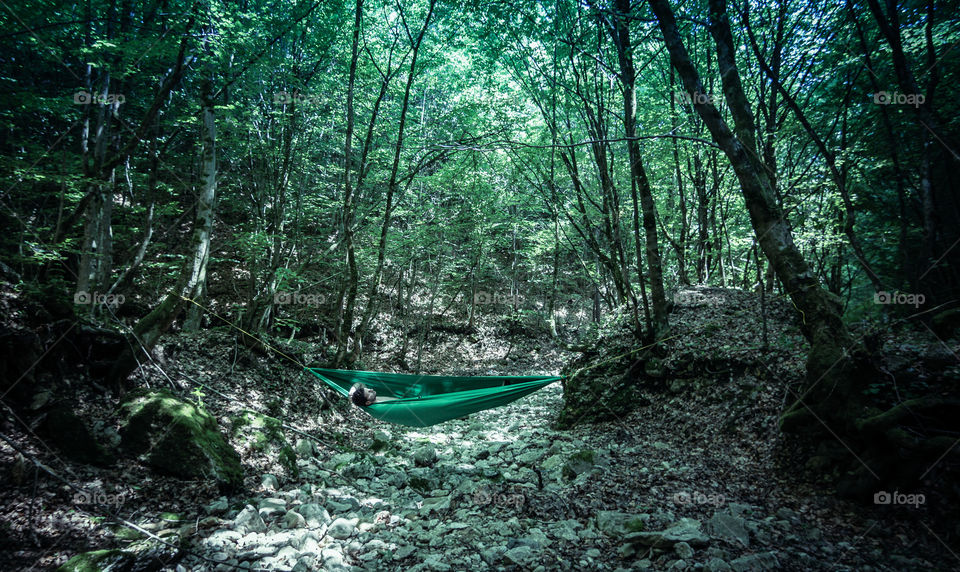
[695, 480]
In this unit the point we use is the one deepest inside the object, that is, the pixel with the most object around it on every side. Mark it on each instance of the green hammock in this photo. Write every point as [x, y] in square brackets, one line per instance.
[424, 400]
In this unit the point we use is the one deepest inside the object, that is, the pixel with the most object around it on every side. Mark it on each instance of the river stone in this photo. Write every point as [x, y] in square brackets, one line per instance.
[342, 528]
[521, 555]
[425, 456]
[249, 520]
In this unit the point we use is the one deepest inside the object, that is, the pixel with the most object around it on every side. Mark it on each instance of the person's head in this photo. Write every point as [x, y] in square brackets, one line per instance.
[360, 394]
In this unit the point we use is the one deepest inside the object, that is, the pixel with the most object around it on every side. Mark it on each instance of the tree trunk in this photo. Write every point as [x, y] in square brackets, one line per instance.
[620, 33]
[829, 385]
[194, 271]
[345, 327]
[371, 308]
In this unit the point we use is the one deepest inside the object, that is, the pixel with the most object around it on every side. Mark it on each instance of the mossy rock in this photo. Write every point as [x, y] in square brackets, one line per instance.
[579, 463]
[99, 560]
[177, 438]
[70, 434]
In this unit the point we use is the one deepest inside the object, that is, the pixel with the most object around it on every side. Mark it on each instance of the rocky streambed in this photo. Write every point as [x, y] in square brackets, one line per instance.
[502, 491]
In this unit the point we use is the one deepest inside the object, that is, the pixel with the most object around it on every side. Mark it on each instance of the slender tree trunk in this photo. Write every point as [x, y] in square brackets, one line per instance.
[345, 327]
[392, 185]
[620, 32]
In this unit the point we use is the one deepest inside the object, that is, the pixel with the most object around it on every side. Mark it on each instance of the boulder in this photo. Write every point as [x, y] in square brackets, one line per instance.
[177, 438]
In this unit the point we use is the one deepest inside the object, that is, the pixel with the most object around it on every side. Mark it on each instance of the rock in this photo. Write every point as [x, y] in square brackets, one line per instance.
[615, 523]
[99, 560]
[342, 528]
[177, 438]
[249, 520]
[728, 527]
[218, 507]
[685, 530]
[269, 482]
[425, 456]
[683, 550]
[304, 448]
[293, 520]
[579, 463]
[751, 562]
[520, 555]
[271, 506]
[314, 514]
[72, 436]
[404, 551]
[435, 504]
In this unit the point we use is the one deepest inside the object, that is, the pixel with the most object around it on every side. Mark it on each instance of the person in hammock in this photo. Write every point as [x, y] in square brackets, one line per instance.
[363, 396]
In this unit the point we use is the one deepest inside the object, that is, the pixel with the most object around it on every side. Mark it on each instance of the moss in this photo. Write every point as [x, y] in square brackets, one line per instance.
[288, 460]
[634, 525]
[98, 560]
